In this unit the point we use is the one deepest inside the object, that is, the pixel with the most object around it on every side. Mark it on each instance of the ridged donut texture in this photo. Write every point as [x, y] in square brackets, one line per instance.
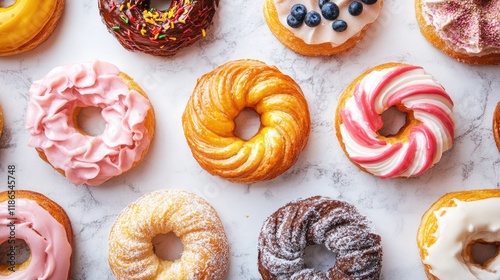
[496, 125]
[419, 144]
[220, 96]
[191, 218]
[319, 220]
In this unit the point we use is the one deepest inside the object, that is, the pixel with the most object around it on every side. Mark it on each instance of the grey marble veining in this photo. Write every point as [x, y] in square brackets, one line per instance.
[239, 31]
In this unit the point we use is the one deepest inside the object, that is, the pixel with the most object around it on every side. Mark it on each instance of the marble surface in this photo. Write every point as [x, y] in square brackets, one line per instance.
[239, 31]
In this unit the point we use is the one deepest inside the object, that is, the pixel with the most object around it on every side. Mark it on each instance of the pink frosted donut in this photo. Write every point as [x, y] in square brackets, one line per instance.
[51, 117]
[419, 144]
[44, 226]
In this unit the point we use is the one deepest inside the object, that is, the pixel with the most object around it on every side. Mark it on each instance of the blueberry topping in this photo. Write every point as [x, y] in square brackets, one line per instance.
[313, 19]
[330, 11]
[369, 2]
[339, 25]
[322, 2]
[355, 8]
[293, 22]
[299, 12]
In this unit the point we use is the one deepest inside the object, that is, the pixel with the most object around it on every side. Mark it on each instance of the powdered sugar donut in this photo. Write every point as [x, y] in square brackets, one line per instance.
[419, 144]
[188, 216]
[319, 220]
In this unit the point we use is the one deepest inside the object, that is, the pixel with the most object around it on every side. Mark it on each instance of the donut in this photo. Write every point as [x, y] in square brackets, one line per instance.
[324, 27]
[496, 125]
[218, 98]
[419, 143]
[51, 119]
[189, 217]
[337, 225]
[18, 35]
[45, 228]
[466, 30]
[451, 227]
[140, 27]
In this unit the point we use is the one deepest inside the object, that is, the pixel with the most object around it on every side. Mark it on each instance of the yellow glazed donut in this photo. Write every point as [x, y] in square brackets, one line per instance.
[191, 218]
[452, 226]
[27, 23]
[220, 96]
[496, 125]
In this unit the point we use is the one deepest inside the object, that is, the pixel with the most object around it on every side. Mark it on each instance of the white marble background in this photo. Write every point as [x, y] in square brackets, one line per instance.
[239, 31]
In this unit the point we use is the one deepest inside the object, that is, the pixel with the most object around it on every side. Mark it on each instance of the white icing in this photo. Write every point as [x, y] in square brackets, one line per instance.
[457, 227]
[324, 32]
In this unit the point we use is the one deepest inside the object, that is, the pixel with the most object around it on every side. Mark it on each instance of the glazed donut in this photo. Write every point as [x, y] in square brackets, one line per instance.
[191, 218]
[466, 30]
[140, 27]
[220, 96]
[418, 145]
[319, 220]
[51, 119]
[46, 229]
[18, 35]
[496, 125]
[320, 27]
[451, 227]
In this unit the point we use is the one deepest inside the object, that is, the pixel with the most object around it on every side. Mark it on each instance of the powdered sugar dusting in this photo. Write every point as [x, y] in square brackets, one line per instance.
[192, 219]
[319, 220]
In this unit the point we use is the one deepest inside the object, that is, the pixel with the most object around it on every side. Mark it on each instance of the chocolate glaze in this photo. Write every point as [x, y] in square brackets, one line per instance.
[319, 220]
[139, 27]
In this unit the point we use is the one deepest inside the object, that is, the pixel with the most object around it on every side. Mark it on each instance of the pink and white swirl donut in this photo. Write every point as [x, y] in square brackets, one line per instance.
[419, 143]
[51, 119]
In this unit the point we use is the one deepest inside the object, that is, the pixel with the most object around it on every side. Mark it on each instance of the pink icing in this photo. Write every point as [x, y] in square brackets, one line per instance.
[45, 236]
[466, 26]
[411, 87]
[87, 159]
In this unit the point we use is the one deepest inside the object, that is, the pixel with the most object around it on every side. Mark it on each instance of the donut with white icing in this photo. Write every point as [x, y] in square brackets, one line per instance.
[466, 30]
[323, 221]
[419, 143]
[324, 27]
[51, 119]
[452, 226]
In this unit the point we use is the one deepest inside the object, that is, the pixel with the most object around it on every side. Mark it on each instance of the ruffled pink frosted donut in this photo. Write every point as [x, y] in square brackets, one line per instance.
[82, 158]
[419, 144]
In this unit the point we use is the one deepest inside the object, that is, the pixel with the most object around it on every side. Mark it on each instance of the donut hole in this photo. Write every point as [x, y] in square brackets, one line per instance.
[319, 258]
[14, 256]
[161, 5]
[167, 247]
[483, 252]
[247, 124]
[90, 120]
[7, 3]
[394, 121]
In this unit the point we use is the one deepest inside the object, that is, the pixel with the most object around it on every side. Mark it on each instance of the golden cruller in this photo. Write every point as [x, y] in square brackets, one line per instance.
[27, 23]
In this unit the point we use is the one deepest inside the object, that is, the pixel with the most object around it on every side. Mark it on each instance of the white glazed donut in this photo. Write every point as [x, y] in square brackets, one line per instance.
[51, 116]
[419, 144]
[452, 226]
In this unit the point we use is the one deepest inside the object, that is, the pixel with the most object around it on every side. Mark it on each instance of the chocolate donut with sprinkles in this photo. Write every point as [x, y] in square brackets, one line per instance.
[140, 27]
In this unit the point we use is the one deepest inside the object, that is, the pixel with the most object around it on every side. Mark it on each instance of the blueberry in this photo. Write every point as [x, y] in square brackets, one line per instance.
[369, 2]
[293, 22]
[298, 11]
[322, 2]
[330, 11]
[313, 19]
[339, 25]
[355, 8]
